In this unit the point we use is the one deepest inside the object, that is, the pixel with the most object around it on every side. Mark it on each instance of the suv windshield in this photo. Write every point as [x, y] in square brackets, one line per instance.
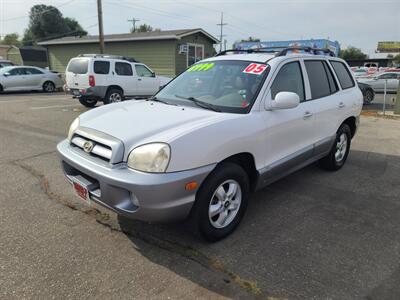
[226, 85]
[78, 66]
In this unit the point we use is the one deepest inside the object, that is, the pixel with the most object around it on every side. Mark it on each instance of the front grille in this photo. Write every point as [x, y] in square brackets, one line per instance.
[99, 150]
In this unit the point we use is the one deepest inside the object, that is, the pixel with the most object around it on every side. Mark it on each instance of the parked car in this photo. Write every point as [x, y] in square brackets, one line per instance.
[227, 126]
[367, 91]
[108, 78]
[27, 78]
[377, 81]
[5, 63]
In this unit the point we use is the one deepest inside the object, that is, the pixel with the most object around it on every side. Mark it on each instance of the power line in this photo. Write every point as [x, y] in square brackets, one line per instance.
[222, 24]
[133, 20]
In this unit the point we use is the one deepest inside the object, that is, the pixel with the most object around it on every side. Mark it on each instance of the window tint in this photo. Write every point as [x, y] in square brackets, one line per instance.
[123, 69]
[101, 67]
[332, 82]
[78, 66]
[343, 74]
[142, 71]
[32, 71]
[289, 79]
[17, 71]
[319, 83]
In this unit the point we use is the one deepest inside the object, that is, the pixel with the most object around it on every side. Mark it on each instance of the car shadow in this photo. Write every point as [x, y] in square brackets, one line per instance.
[313, 234]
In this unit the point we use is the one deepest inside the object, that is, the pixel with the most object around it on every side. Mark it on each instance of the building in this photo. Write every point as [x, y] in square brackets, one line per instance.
[334, 46]
[167, 52]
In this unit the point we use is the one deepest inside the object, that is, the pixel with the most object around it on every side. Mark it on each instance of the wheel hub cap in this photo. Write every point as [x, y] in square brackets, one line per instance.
[225, 203]
[341, 147]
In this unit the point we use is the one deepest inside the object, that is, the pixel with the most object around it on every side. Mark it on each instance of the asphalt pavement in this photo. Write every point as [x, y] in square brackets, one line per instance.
[312, 235]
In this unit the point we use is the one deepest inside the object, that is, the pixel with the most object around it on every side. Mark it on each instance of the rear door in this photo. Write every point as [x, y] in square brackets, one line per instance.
[125, 77]
[76, 75]
[147, 83]
[325, 100]
[34, 77]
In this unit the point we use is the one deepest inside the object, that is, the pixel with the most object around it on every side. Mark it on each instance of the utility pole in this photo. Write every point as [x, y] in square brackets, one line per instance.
[101, 33]
[222, 24]
[133, 20]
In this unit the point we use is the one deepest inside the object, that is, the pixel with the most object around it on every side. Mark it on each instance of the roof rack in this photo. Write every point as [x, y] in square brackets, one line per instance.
[280, 51]
[130, 59]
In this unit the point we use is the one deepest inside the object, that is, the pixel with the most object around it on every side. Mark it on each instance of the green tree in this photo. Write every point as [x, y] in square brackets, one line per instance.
[145, 28]
[396, 59]
[11, 39]
[46, 22]
[352, 53]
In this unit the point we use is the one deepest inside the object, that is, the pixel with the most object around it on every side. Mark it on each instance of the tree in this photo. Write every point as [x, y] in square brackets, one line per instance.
[250, 39]
[396, 59]
[145, 28]
[352, 53]
[46, 22]
[11, 39]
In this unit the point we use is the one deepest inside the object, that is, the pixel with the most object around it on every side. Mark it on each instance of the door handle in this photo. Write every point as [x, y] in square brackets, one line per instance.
[341, 105]
[307, 115]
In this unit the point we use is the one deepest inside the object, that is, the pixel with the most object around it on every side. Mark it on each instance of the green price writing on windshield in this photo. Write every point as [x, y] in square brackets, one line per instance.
[201, 67]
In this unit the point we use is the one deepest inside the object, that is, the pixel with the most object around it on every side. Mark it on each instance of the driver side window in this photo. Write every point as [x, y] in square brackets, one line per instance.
[289, 79]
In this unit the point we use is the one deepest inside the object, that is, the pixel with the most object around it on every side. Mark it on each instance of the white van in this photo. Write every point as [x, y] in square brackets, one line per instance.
[110, 78]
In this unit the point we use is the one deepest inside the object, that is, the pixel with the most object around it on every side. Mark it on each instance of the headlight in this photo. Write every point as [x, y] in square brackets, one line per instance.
[72, 128]
[153, 158]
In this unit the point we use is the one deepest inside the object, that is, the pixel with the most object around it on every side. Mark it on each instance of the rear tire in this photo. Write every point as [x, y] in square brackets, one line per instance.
[87, 102]
[340, 150]
[49, 87]
[113, 96]
[368, 97]
[221, 202]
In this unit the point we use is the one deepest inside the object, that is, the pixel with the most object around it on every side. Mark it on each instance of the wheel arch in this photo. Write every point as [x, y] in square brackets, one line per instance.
[247, 162]
[117, 87]
[352, 123]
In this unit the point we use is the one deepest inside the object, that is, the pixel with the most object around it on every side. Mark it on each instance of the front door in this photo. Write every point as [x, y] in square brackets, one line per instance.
[147, 83]
[290, 132]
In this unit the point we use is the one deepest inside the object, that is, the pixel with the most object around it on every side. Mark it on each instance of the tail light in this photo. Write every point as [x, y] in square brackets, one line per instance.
[92, 82]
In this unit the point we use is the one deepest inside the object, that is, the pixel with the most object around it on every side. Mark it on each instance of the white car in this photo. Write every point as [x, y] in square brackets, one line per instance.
[377, 81]
[109, 78]
[227, 126]
[28, 78]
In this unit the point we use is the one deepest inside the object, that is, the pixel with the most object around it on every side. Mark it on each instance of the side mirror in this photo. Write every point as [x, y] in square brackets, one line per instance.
[153, 74]
[285, 100]
[7, 74]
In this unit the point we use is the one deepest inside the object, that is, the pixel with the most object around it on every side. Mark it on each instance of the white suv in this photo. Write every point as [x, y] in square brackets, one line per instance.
[109, 78]
[227, 126]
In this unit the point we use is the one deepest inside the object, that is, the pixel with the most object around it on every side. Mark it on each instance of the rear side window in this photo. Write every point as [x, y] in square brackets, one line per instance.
[101, 67]
[332, 82]
[32, 71]
[78, 66]
[289, 79]
[318, 78]
[343, 74]
[123, 69]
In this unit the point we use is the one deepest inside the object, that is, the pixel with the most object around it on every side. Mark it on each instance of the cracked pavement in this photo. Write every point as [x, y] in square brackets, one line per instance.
[313, 234]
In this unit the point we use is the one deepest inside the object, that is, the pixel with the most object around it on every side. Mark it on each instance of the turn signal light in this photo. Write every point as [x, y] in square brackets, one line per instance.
[191, 186]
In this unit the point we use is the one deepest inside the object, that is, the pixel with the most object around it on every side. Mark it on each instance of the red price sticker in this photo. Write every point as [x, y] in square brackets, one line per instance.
[254, 68]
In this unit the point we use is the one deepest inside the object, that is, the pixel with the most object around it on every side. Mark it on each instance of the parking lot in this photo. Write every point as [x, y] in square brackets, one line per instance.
[314, 234]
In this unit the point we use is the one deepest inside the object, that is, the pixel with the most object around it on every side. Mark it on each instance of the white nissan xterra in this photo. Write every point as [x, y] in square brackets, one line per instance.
[110, 78]
[227, 126]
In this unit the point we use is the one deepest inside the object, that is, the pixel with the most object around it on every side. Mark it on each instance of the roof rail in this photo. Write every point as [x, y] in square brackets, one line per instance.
[280, 51]
[130, 59]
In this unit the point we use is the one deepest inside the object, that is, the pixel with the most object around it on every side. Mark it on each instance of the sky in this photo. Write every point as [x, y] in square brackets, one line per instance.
[359, 23]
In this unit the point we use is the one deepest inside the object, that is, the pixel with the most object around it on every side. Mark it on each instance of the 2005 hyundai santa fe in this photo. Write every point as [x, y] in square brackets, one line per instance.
[227, 126]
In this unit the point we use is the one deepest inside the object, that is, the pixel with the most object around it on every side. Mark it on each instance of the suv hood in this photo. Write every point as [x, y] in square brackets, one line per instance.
[138, 122]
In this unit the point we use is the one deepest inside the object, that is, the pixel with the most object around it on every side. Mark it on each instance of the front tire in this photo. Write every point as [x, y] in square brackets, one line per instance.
[87, 102]
[113, 96]
[49, 87]
[221, 202]
[340, 150]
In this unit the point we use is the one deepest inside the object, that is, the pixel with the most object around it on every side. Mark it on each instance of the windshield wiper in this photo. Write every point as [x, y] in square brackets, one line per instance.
[159, 100]
[200, 103]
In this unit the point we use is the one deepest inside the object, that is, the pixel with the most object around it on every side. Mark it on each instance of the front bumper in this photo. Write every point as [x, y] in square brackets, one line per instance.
[134, 194]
